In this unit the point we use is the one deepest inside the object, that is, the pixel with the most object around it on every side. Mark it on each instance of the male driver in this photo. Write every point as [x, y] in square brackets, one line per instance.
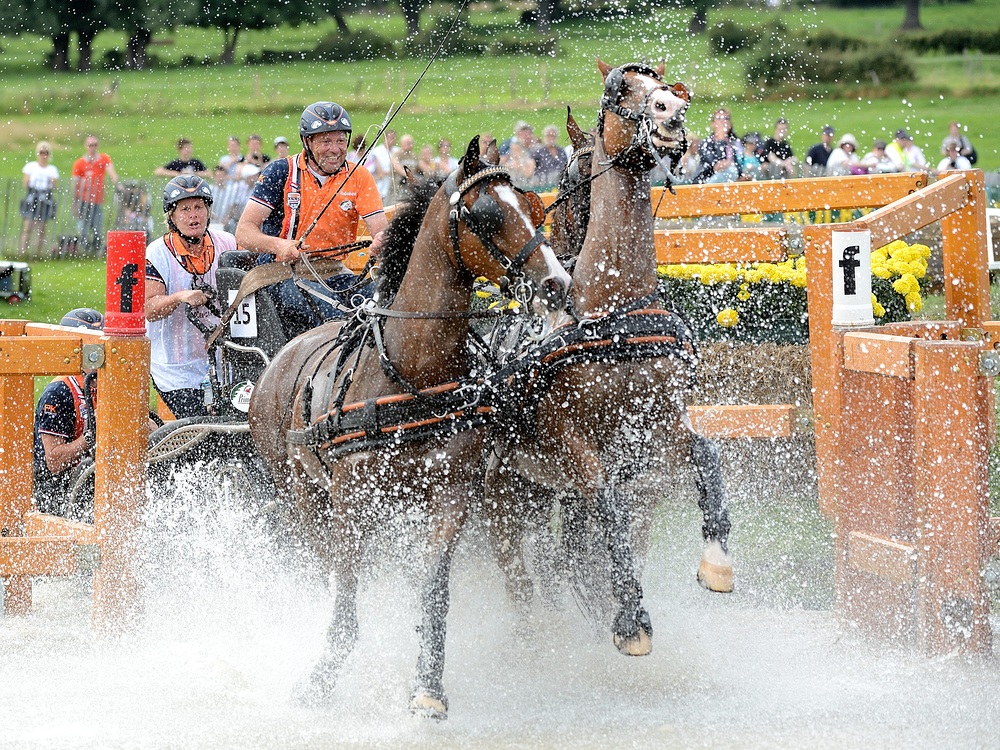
[88, 194]
[64, 430]
[184, 163]
[312, 201]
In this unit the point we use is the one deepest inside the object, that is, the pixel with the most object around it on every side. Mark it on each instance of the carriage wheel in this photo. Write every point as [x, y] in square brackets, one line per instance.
[239, 480]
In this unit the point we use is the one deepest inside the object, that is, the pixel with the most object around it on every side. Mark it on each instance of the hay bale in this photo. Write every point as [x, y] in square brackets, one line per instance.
[738, 373]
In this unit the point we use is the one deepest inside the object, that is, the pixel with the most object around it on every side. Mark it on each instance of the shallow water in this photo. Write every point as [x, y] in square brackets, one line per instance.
[229, 626]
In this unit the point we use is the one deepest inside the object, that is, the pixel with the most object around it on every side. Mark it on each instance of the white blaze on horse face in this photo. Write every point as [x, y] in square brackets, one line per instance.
[508, 195]
[557, 281]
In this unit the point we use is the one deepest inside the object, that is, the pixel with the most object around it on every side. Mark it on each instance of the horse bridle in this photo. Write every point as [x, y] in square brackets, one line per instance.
[641, 144]
[571, 182]
[484, 220]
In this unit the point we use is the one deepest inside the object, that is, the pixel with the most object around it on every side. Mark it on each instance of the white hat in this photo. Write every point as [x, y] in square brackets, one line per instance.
[848, 138]
[280, 139]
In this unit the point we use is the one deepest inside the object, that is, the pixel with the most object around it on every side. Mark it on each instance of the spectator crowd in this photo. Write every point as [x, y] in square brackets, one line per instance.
[716, 154]
[724, 156]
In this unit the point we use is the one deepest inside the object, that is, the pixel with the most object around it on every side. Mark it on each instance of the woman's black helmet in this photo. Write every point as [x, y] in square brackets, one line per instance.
[185, 186]
[324, 117]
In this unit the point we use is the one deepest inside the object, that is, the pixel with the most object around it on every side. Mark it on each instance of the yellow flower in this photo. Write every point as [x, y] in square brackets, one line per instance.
[906, 284]
[879, 310]
[744, 293]
[727, 318]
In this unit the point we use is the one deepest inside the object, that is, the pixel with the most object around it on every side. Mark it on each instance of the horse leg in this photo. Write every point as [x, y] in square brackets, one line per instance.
[342, 634]
[632, 628]
[584, 559]
[506, 530]
[428, 698]
[715, 572]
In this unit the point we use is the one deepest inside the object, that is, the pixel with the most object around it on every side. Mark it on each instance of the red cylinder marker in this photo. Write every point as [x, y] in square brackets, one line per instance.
[126, 284]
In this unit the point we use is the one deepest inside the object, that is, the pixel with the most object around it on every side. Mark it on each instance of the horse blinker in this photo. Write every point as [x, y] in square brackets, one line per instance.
[485, 217]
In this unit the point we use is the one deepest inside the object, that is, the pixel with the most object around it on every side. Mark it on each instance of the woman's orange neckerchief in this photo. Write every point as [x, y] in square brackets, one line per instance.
[197, 262]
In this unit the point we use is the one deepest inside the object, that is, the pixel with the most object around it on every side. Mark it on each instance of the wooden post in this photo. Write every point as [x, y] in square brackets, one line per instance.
[122, 435]
[824, 351]
[17, 395]
[871, 472]
[963, 235]
[950, 470]
[120, 479]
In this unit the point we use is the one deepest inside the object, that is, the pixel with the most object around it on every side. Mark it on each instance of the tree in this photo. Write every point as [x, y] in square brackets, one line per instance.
[233, 16]
[912, 20]
[140, 19]
[547, 12]
[411, 12]
[699, 21]
[53, 19]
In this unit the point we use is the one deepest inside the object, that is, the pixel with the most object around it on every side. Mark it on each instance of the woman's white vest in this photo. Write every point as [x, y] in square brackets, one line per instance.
[178, 358]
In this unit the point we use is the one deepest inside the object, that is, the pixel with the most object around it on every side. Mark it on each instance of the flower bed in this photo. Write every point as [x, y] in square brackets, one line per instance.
[759, 302]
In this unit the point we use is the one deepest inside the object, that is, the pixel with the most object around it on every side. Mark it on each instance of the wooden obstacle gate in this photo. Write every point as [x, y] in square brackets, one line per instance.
[33, 543]
[913, 526]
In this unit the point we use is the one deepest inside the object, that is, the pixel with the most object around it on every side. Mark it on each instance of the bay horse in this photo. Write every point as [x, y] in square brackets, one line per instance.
[380, 415]
[571, 209]
[569, 223]
[618, 372]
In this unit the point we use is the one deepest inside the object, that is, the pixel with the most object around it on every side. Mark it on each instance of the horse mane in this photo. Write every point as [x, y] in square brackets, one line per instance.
[401, 236]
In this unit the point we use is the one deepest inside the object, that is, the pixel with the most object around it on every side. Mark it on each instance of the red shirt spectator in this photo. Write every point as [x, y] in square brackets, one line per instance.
[88, 174]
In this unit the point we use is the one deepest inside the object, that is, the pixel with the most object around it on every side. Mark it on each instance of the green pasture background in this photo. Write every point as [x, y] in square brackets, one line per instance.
[140, 115]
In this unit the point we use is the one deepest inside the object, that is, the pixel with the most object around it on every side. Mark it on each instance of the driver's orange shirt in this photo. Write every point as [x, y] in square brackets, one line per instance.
[296, 197]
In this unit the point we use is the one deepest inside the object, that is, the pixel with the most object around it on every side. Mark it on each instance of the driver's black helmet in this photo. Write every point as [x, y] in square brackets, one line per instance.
[185, 186]
[324, 117]
[83, 317]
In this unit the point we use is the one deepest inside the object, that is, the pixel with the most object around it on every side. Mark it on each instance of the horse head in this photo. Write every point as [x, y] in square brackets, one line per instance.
[572, 214]
[642, 118]
[494, 232]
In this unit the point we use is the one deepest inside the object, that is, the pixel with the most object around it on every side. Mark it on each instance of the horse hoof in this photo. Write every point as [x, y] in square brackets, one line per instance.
[429, 706]
[641, 644]
[716, 570]
[314, 690]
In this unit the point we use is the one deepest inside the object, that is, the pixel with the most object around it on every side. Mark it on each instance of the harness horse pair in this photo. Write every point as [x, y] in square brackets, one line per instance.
[384, 413]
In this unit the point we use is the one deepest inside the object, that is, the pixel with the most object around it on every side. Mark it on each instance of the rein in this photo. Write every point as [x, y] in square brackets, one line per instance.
[390, 116]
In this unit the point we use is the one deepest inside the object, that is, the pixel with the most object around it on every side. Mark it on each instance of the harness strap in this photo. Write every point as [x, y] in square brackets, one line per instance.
[629, 335]
[397, 418]
[293, 197]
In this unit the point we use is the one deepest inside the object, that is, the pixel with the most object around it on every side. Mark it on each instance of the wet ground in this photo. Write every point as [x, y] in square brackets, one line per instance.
[229, 626]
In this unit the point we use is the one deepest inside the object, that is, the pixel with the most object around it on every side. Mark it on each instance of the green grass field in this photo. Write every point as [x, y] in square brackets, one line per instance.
[139, 115]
